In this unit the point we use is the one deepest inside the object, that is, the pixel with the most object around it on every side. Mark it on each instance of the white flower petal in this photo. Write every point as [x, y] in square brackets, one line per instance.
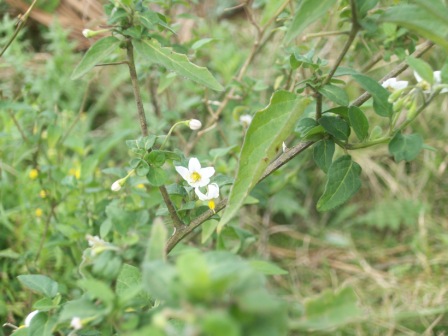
[30, 317]
[437, 77]
[207, 172]
[184, 172]
[201, 183]
[200, 195]
[213, 191]
[194, 165]
[417, 77]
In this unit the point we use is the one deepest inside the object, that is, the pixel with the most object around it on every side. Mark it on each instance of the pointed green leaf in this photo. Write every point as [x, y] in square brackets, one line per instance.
[335, 126]
[342, 183]
[156, 246]
[335, 94]
[97, 52]
[39, 283]
[157, 176]
[129, 283]
[423, 19]
[268, 129]
[179, 63]
[307, 12]
[422, 68]
[330, 310]
[208, 228]
[358, 122]
[323, 154]
[405, 146]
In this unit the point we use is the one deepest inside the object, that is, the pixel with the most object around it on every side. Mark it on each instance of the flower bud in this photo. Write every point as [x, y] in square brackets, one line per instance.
[76, 323]
[116, 186]
[194, 124]
[87, 33]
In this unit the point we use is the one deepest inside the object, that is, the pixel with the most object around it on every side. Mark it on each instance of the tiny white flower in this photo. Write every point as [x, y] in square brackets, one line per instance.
[195, 175]
[30, 317]
[284, 148]
[393, 84]
[245, 120]
[194, 124]
[98, 245]
[76, 323]
[210, 196]
[116, 186]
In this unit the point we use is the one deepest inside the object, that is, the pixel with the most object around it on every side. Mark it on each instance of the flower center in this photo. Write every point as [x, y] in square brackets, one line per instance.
[195, 177]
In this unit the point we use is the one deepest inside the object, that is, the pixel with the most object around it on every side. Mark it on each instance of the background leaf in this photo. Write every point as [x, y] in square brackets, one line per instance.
[307, 12]
[154, 52]
[97, 52]
[405, 146]
[342, 183]
[268, 129]
[335, 94]
[422, 68]
[39, 283]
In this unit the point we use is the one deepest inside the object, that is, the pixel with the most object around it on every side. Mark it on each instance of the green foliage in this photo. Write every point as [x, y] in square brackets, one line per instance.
[269, 128]
[405, 146]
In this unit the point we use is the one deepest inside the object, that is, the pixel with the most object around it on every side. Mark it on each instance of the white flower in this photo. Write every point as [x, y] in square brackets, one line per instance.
[194, 124]
[195, 175]
[437, 75]
[393, 84]
[30, 317]
[284, 148]
[245, 120]
[76, 323]
[211, 194]
[98, 245]
[116, 186]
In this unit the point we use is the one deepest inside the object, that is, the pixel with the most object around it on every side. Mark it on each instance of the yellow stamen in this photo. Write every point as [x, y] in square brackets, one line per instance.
[211, 205]
[195, 177]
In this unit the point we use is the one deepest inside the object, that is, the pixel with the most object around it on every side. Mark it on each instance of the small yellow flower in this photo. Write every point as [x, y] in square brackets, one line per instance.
[43, 194]
[38, 212]
[140, 186]
[33, 174]
[76, 172]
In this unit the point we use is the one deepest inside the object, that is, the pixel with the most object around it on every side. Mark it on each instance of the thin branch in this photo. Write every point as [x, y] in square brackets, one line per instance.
[171, 209]
[113, 63]
[154, 100]
[16, 122]
[136, 88]
[21, 23]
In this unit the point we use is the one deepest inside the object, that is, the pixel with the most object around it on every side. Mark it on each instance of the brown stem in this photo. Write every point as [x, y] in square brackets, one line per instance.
[136, 88]
[171, 209]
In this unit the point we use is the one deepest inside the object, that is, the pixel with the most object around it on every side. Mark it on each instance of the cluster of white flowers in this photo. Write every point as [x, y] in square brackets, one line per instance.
[199, 177]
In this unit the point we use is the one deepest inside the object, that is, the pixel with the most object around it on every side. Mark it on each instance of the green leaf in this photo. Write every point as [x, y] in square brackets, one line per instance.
[264, 137]
[202, 42]
[405, 146]
[423, 19]
[97, 290]
[335, 126]
[194, 274]
[154, 52]
[157, 177]
[330, 310]
[379, 94]
[82, 308]
[358, 122]
[156, 245]
[422, 68]
[156, 158]
[266, 267]
[208, 228]
[39, 283]
[335, 94]
[97, 52]
[37, 326]
[307, 12]
[129, 283]
[159, 278]
[342, 183]
[323, 154]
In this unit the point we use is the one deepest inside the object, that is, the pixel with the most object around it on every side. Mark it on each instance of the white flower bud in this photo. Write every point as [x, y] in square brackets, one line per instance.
[87, 33]
[245, 120]
[76, 323]
[116, 186]
[194, 124]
